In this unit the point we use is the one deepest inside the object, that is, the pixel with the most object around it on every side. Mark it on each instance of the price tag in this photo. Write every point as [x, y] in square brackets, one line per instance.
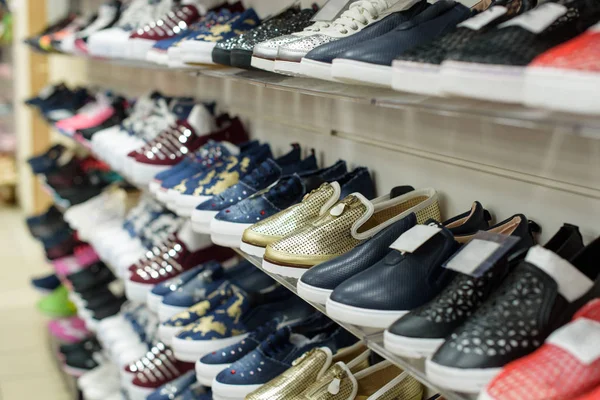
[538, 19]
[332, 9]
[481, 253]
[580, 338]
[414, 238]
[484, 18]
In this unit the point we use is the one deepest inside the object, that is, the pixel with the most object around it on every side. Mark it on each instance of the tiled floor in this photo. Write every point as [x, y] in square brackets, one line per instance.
[28, 370]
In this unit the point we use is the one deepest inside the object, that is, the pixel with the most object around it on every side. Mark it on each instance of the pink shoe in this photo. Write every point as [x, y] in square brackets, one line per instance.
[68, 330]
[66, 265]
[94, 116]
[86, 255]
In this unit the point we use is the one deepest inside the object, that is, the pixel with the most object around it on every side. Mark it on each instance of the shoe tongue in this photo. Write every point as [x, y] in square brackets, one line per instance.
[287, 188]
[572, 283]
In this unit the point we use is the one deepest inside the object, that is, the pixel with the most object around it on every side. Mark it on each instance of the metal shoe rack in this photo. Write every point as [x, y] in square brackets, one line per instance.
[511, 158]
[221, 83]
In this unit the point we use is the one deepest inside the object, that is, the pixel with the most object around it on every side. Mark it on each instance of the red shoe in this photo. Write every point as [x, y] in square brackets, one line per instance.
[593, 395]
[172, 262]
[157, 367]
[553, 372]
[173, 145]
[166, 27]
[564, 77]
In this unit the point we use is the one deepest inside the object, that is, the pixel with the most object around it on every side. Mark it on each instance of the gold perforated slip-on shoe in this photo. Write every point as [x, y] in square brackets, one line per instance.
[343, 227]
[316, 203]
[312, 366]
[382, 381]
[258, 236]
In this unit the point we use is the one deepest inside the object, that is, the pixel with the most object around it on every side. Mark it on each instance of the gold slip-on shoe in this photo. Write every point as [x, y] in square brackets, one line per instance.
[343, 227]
[316, 203]
[310, 367]
[382, 381]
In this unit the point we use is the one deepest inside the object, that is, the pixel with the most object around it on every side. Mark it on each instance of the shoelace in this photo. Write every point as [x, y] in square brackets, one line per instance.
[136, 10]
[281, 191]
[258, 174]
[318, 26]
[357, 14]
[275, 344]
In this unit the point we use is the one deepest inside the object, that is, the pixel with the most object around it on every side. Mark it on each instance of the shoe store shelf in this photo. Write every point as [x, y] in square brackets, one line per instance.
[515, 115]
[504, 114]
[372, 339]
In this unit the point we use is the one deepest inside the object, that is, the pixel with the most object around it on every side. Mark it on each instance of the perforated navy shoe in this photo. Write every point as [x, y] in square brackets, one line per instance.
[318, 283]
[398, 283]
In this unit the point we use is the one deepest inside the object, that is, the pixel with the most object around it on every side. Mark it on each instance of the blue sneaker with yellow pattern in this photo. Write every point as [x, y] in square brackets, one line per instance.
[267, 173]
[215, 181]
[219, 296]
[235, 319]
[198, 48]
[199, 164]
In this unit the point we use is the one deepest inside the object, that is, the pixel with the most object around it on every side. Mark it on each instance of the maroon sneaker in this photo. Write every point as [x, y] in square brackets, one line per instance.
[176, 144]
[155, 369]
[169, 264]
[169, 25]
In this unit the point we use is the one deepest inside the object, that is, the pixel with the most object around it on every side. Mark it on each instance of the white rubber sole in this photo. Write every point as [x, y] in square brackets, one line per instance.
[458, 379]
[162, 195]
[562, 90]
[362, 316]
[197, 52]
[222, 391]
[362, 72]
[137, 49]
[290, 272]
[482, 81]
[290, 68]
[201, 220]
[263, 63]
[316, 69]
[410, 347]
[414, 77]
[154, 187]
[143, 174]
[185, 204]
[192, 350]
[166, 311]
[153, 301]
[484, 395]
[228, 234]
[137, 292]
[157, 57]
[312, 293]
[206, 373]
[252, 250]
[167, 333]
[138, 393]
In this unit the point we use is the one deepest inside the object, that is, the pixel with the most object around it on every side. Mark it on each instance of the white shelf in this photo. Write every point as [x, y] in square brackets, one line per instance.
[515, 115]
[372, 339]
